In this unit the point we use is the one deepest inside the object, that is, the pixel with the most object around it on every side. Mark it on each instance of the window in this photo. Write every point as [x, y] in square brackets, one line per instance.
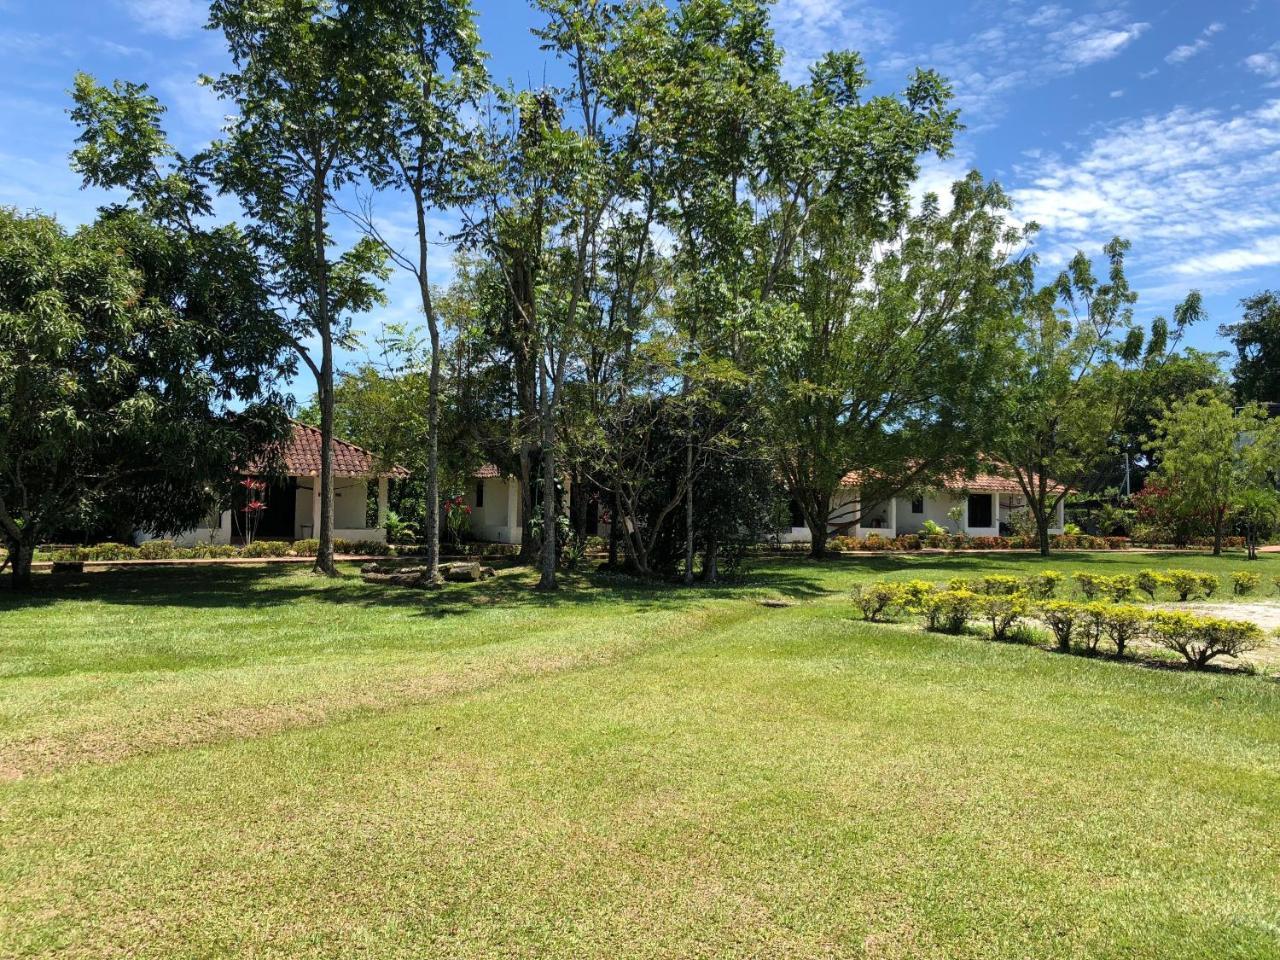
[797, 515]
[479, 494]
[980, 510]
[917, 505]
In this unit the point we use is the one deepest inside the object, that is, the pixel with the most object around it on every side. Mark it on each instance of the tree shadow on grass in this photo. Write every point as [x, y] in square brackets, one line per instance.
[266, 586]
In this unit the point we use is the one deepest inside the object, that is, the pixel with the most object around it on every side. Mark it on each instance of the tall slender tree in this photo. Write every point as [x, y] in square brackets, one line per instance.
[423, 77]
[290, 148]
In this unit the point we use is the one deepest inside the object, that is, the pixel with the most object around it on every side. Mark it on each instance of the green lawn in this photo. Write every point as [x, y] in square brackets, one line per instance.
[253, 762]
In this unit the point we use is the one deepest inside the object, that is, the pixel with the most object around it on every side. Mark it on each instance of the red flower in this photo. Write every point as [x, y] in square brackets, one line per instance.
[254, 506]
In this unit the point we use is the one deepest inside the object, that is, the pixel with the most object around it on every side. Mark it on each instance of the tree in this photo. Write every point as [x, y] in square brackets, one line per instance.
[893, 359]
[424, 70]
[1069, 382]
[291, 147]
[137, 367]
[1257, 342]
[1213, 459]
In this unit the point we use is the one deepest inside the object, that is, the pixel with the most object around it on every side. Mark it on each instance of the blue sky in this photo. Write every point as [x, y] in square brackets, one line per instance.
[1157, 121]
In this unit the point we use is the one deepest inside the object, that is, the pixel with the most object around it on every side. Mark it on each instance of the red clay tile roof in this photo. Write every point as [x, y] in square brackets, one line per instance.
[990, 482]
[301, 456]
[487, 472]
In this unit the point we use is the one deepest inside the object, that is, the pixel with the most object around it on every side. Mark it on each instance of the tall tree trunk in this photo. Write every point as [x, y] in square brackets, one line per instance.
[711, 562]
[1042, 532]
[324, 554]
[1219, 521]
[21, 554]
[433, 392]
[547, 578]
[324, 326]
[615, 530]
[688, 513]
[817, 517]
[528, 540]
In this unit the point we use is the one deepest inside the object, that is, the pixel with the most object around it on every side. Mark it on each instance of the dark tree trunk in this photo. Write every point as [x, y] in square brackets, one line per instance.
[324, 554]
[688, 513]
[817, 517]
[615, 531]
[1218, 523]
[711, 562]
[547, 577]
[1042, 532]
[20, 557]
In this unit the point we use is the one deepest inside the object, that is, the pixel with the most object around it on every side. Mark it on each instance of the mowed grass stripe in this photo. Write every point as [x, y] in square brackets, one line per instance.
[789, 784]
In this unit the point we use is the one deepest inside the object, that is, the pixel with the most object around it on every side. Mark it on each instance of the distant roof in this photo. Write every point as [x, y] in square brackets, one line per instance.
[487, 472]
[301, 457]
[997, 479]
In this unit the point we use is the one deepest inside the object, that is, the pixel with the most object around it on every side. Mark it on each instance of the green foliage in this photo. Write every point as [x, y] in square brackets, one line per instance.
[1091, 624]
[1257, 341]
[997, 584]
[949, 610]
[1244, 583]
[1125, 624]
[1212, 457]
[1091, 585]
[306, 548]
[1120, 587]
[1061, 617]
[876, 600]
[1190, 584]
[1201, 640]
[266, 548]
[1042, 585]
[137, 368]
[1003, 611]
[156, 550]
[1150, 582]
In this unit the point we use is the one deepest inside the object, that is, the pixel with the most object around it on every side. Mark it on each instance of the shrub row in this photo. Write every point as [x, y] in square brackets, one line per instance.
[168, 550]
[1076, 626]
[913, 541]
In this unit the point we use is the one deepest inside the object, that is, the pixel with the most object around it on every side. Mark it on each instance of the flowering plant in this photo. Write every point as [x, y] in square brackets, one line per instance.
[457, 516]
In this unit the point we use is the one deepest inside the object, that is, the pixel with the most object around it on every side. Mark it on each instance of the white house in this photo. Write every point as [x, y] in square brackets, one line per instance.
[987, 500]
[292, 510]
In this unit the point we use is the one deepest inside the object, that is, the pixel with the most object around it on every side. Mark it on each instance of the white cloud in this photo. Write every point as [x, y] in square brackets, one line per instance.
[806, 29]
[1019, 49]
[1197, 191]
[1094, 38]
[169, 18]
[1186, 51]
[1265, 65]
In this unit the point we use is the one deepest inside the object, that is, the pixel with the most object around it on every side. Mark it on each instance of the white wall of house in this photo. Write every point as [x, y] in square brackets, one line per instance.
[350, 507]
[495, 509]
[895, 517]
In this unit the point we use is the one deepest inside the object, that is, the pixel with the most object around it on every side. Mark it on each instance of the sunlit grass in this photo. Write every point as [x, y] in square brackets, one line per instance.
[239, 762]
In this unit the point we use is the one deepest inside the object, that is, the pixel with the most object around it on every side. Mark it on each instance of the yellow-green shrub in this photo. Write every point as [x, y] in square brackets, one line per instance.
[949, 610]
[1002, 611]
[1244, 583]
[1202, 639]
[877, 599]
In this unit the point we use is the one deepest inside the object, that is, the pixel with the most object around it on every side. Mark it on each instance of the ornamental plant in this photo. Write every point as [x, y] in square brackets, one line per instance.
[1091, 584]
[1202, 639]
[1243, 584]
[1150, 581]
[1091, 626]
[1002, 611]
[1042, 586]
[1121, 587]
[877, 599]
[1061, 617]
[1125, 624]
[947, 611]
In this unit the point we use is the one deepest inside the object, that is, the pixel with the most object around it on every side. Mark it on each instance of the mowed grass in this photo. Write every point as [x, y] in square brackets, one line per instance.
[253, 762]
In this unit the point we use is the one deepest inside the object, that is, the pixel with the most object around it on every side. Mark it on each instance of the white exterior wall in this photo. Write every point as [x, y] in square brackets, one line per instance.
[498, 520]
[349, 508]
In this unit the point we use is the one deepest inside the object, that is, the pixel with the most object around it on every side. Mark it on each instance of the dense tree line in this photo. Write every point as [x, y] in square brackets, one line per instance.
[695, 290]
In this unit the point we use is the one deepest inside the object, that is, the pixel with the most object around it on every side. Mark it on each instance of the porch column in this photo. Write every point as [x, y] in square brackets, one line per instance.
[995, 513]
[893, 517]
[315, 508]
[857, 512]
[382, 502]
[514, 530]
[964, 522]
[1060, 513]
